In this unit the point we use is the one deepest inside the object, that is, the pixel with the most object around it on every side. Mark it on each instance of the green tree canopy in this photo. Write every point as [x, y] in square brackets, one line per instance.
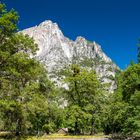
[130, 81]
[83, 96]
[24, 85]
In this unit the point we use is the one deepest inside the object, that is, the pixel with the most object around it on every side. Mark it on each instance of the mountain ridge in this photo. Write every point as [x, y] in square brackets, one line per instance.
[57, 51]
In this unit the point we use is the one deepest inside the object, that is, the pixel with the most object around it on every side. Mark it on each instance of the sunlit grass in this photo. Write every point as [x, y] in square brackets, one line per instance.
[51, 137]
[55, 136]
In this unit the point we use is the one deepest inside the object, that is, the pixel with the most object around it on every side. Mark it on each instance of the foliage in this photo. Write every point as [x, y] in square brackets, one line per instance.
[83, 100]
[25, 90]
[113, 115]
[121, 113]
[86, 62]
[131, 81]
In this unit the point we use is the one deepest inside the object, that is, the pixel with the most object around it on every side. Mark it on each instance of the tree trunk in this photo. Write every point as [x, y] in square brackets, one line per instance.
[92, 124]
[77, 131]
[17, 127]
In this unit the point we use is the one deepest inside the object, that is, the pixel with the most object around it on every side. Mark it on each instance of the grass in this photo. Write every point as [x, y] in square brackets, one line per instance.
[55, 136]
[11, 136]
[6, 135]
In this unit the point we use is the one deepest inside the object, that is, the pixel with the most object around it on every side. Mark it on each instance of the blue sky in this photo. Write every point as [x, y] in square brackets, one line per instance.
[114, 24]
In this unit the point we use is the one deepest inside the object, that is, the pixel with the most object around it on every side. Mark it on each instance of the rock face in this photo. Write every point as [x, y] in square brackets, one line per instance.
[57, 51]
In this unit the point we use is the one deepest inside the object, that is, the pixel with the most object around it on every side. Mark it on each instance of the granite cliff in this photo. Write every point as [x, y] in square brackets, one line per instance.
[57, 51]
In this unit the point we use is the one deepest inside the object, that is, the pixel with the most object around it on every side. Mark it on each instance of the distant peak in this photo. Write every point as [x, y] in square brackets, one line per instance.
[47, 23]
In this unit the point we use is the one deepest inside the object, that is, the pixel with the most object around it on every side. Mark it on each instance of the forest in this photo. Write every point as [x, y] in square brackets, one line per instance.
[31, 104]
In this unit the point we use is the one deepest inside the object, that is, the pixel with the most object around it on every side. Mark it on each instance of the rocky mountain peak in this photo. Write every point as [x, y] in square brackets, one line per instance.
[57, 51]
[47, 24]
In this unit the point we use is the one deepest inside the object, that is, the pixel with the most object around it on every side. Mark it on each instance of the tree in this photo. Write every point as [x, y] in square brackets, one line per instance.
[83, 97]
[120, 114]
[114, 113]
[130, 81]
[24, 85]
